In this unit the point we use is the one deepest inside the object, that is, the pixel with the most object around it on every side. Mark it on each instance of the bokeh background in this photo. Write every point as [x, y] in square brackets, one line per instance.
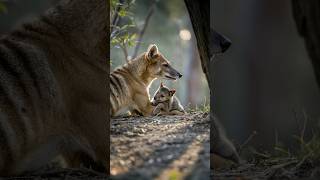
[265, 81]
[170, 29]
[15, 12]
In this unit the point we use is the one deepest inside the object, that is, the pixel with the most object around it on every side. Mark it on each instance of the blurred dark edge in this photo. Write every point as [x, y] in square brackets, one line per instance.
[108, 83]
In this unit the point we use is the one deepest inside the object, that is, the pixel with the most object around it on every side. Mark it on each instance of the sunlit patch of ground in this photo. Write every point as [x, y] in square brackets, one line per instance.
[162, 147]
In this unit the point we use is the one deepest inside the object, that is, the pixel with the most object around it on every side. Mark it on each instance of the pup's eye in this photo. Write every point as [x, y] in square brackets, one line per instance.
[162, 95]
[166, 65]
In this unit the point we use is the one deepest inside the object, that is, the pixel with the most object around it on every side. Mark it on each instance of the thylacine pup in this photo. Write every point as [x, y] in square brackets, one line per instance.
[166, 103]
[129, 84]
[53, 89]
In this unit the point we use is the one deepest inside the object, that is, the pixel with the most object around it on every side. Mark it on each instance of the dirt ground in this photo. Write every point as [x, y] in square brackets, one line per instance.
[176, 148]
[162, 147]
[282, 168]
[271, 166]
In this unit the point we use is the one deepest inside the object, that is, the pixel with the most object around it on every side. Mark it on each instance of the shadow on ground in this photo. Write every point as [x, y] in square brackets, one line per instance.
[162, 147]
[271, 166]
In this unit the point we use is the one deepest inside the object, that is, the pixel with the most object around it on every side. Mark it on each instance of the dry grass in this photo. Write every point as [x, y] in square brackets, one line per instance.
[281, 163]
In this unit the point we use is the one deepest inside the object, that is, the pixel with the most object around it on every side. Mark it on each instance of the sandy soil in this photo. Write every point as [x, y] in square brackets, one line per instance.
[162, 147]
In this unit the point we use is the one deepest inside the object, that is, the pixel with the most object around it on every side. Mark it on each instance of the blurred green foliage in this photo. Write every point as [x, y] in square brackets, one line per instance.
[123, 34]
[3, 8]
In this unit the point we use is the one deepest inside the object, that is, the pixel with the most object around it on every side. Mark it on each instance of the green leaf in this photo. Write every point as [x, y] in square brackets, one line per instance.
[131, 43]
[133, 37]
[122, 13]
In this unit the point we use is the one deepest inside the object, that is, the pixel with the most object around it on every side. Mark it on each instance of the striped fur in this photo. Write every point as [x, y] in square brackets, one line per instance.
[129, 84]
[166, 103]
[52, 90]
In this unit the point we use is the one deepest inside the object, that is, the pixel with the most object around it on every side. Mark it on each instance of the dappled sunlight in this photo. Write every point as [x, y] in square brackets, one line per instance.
[151, 146]
[183, 165]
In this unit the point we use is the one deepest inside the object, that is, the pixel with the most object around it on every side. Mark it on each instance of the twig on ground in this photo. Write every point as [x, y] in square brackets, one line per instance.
[254, 133]
[270, 171]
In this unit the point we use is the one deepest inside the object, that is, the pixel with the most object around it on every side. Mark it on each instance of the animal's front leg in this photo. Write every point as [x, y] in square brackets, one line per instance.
[157, 110]
[136, 112]
[143, 103]
[90, 118]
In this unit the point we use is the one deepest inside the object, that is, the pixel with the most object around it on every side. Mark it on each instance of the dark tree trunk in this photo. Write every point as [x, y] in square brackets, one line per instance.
[199, 12]
[307, 18]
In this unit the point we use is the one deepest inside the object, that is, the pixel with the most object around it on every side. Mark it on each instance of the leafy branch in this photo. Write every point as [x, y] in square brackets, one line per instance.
[125, 36]
[123, 42]
[122, 36]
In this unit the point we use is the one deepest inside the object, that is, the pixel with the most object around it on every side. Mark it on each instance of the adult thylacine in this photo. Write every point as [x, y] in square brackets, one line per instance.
[129, 84]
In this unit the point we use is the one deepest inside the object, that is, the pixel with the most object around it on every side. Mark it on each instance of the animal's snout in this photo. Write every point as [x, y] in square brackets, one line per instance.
[179, 75]
[225, 44]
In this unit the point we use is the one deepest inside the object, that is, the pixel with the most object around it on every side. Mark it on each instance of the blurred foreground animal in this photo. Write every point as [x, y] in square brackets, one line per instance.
[221, 144]
[166, 103]
[129, 84]
[53, 89]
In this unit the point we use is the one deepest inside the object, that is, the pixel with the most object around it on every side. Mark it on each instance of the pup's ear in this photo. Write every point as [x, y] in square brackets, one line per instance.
[161, 84]
[152, 51]
[172, 92]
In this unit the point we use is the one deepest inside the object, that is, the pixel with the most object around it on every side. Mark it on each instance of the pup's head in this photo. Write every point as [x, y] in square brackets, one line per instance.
[163, 94]
[218, 42]
[159, 66]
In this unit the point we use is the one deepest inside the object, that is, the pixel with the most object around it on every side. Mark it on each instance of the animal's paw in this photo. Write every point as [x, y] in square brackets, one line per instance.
[225, 149]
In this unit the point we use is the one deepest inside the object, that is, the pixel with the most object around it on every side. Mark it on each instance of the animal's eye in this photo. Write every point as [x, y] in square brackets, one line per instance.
[166, 65]
[162, 95]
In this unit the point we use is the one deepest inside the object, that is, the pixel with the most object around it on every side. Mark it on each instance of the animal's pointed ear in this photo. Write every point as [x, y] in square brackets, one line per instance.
[172, 92]
[161, 84]
[152, 51]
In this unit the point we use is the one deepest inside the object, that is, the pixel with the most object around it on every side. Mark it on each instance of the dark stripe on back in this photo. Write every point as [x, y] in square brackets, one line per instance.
[35, 30]
[48, 21]
[114, 85]
[118, 83]
[29, 80]
[9, 78]
[14, 67]
[28, 59]
[120, 72]
[116, 103]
